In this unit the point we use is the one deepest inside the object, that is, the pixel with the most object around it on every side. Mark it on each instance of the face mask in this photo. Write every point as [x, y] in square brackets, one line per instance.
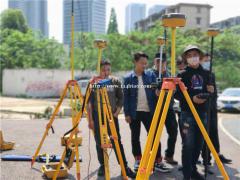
[206, 65]
[193, 61]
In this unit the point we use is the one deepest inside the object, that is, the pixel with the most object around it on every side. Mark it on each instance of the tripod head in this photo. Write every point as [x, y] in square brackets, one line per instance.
[100, 43]
[212, 32]
[161, 41]
[174, 20]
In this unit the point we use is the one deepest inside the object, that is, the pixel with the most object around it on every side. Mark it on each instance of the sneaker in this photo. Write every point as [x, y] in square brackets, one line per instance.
[130, 173]
[136, 165]
[170, 160]
[225, 160]
[161, 168]
[101, 171]
[197, 176]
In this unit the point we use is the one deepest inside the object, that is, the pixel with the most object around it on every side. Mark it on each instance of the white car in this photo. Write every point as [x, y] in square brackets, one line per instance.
[229, 99]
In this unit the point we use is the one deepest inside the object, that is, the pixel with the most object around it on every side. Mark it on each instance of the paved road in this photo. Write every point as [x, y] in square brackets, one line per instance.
[27, 133]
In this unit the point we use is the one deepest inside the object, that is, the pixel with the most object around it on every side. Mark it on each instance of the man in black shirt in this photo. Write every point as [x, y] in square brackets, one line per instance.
[196, 79]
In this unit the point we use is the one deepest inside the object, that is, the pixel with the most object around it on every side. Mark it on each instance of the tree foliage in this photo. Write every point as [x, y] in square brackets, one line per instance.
[113, 26]
[13, 19]
[22, 48]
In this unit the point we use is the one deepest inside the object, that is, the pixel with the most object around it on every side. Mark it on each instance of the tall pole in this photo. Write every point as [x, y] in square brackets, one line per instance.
[72, 41]
[211, 33]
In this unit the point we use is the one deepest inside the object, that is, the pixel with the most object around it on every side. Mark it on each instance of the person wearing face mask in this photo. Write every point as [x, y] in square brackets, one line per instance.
[171, 122]
[139, 105]
[115, 96]
[213, 121]
[196, 79]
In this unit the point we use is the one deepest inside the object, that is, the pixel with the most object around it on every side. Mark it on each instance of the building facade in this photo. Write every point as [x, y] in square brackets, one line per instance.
[134, 12]
[197, 16]
[155, 9]
[89, 16]
[35, 12]
[234, 21]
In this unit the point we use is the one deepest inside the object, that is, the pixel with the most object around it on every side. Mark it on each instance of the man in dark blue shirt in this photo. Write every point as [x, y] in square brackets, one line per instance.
[139, 105]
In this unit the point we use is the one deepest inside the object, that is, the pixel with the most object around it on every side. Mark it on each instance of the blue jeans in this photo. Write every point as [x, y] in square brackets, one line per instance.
[192, 141]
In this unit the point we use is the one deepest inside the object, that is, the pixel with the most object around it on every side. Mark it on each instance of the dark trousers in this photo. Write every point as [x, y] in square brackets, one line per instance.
[135, 126]
[213, 134]
[98, 140]
[192, 142]
[172, 130]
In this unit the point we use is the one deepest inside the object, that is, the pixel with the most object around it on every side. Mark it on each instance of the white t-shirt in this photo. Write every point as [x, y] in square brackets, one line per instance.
[142, 103]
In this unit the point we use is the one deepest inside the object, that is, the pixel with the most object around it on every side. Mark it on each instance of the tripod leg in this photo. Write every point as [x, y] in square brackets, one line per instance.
[49, 124]
[108, 111]
[159, 133]
[76, 143]
[150, 137]
[81, 98]
[103, 134]
[77, 120]
[205, 135]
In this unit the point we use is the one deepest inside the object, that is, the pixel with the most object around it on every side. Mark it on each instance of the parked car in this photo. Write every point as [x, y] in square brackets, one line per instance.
[229, 99]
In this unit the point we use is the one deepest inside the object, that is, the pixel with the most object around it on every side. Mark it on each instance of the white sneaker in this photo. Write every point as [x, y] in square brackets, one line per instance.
[161, 167]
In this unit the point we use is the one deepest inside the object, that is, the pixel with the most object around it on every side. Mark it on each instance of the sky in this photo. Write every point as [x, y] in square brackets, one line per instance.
[221, 10]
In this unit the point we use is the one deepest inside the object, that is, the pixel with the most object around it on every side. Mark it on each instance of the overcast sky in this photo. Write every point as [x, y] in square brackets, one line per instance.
[221, 10]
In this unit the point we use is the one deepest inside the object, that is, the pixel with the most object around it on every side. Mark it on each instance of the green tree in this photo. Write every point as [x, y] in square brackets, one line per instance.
[13, 19]
[24, 50]
[112, 26]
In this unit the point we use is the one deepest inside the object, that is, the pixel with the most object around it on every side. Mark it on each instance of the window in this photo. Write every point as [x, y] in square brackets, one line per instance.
[198, 21]
[198, 9]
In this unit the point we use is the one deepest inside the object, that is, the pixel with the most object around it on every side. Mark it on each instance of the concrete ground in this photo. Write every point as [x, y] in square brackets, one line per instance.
[26, 133]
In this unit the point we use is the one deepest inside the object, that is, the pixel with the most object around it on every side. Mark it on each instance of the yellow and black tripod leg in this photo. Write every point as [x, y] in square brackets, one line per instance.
[150, 151]
[105, 142]
[204, 132]
[49, 124]
[150, 138]
[108, 111]
[76, 122]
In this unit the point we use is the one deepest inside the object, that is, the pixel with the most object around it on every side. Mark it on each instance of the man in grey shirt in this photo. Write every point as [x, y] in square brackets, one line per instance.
[115, 96]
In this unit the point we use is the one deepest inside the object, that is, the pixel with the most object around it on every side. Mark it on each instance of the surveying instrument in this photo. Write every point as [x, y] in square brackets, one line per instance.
[212, 32]
[172, 21]
[105, 118]
[76, 98]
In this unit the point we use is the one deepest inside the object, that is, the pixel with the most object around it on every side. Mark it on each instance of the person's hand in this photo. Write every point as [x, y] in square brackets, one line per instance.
[91, 125]
[210, 88]
[198, 100]
[115, 114]
[157, 92]
[128, 119]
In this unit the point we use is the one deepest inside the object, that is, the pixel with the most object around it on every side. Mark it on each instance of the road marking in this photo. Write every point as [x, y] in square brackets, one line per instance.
[227, 133]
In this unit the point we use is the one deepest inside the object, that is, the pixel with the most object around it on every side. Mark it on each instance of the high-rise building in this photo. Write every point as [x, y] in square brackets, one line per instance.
[89, 16]
[35, 12]
[134, 12]
[155, 9]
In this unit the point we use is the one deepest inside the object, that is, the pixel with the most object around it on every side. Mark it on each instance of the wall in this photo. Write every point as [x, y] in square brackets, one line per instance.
[40, 83]
[37, 82]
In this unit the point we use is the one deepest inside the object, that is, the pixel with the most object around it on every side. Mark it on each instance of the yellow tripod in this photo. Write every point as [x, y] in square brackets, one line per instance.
[105, 118]
[75, 98]
[169, 85]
